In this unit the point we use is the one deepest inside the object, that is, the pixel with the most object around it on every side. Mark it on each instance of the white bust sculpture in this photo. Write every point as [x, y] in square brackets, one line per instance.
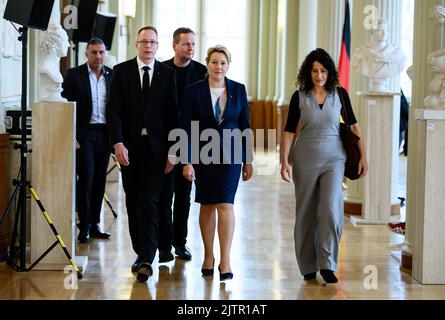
[53, 45]
[378, 59]
[409, 72]
[437, 86]
[437, 60]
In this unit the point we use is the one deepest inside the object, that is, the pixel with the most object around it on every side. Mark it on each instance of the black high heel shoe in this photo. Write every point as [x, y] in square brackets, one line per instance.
[208, 272]
[328, 276]
[225, 276]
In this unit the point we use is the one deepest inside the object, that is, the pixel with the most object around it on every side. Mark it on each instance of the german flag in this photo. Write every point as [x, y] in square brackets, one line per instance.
[345, 53]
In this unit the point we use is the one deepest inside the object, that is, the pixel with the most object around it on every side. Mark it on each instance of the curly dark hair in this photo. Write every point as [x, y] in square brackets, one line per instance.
[304, 79]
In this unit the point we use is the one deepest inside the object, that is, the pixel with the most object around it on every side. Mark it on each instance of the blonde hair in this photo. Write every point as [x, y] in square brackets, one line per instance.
[219, 49]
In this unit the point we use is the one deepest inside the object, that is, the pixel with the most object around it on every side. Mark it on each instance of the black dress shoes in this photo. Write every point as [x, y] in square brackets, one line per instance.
[165, 256]
[183, 253]
[136, 264]
[145, 271]
[84, 236]
[310, 276]
[328, 276]
[95, 232]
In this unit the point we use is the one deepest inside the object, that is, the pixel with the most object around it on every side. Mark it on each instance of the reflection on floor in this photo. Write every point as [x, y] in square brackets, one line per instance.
[263, 259]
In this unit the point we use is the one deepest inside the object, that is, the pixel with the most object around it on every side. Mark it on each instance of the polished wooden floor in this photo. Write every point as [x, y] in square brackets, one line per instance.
[263, 260]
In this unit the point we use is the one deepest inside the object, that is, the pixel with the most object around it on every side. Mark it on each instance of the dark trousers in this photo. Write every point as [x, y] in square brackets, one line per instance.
[142, 181]
[91, 165]
[174, 232]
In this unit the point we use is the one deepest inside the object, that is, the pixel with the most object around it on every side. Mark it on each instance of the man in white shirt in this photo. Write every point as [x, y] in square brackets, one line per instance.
[88, 85]
[141, 112]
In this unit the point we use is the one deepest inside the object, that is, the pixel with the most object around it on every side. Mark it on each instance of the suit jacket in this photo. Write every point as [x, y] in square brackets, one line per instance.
[127, 114]
[197, 106]
[195, 73]
[76, 87]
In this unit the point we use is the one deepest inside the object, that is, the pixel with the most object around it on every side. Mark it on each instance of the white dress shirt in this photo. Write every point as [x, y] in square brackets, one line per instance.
[98, 96]
[141, 64]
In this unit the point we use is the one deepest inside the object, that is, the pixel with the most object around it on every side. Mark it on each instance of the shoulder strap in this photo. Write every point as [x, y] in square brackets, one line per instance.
[343, 112]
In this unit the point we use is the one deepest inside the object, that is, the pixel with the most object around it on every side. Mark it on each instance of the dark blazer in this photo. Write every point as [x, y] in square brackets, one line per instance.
[127, 114]
[197, 106]
[76, 87]
[196, 72]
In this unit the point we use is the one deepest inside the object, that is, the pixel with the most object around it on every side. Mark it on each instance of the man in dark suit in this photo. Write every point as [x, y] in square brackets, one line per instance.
[174, 232]
[141, 112]
[88, 85]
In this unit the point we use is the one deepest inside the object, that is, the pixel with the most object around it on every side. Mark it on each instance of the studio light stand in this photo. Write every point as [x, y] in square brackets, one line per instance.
[107, 201]
[76, 53]
[22, 185]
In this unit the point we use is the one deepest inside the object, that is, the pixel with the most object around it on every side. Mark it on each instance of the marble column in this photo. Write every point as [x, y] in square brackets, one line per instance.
[272, 50]
[330, 26]
[427, 38]
[291, 41]
[263, 53]
[391, 10]
[307, 24]
[428, 263]
[253, 47]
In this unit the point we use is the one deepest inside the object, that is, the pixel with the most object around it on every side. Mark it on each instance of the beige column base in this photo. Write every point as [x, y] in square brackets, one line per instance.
[428, 221]
[53, 178]
[372, 204]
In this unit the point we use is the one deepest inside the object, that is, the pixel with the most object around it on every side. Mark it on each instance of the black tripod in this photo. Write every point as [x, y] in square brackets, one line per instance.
[107, 201]
[76, 53]
[22, 185]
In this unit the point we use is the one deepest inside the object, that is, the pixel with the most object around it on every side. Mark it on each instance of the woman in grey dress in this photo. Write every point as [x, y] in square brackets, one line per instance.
[316, 163]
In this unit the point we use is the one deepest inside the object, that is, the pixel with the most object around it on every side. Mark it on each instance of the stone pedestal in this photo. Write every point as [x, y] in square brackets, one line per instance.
[53, 177]
[4, 230]
[429, 202]
[378, 110]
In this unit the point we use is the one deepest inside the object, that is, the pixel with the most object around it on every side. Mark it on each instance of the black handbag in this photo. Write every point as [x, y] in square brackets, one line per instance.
[350, 144]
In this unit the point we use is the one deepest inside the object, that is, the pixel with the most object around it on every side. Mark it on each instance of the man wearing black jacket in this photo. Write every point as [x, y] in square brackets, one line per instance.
[141, 112]
[174, 232]
[88, 85]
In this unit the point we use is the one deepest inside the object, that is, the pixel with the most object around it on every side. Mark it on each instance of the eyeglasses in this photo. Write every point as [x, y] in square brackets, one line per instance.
[146, 42]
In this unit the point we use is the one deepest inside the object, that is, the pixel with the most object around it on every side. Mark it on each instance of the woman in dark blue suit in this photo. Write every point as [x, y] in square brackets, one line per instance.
[218, 104]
